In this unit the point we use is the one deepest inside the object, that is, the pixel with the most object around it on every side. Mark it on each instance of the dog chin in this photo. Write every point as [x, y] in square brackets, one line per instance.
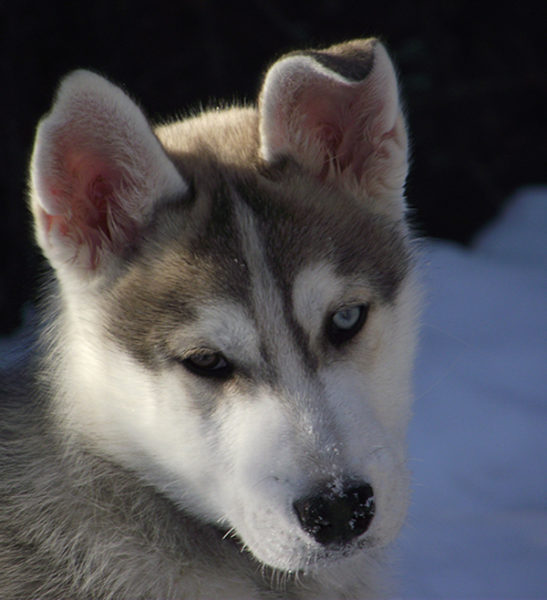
[305, 557]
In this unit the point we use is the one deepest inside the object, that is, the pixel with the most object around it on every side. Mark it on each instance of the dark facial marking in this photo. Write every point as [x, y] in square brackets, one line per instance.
[183, 262]
[296, 234]
[179, 267]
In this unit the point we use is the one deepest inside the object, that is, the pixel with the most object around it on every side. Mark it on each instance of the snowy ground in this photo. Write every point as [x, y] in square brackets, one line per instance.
[478, 441]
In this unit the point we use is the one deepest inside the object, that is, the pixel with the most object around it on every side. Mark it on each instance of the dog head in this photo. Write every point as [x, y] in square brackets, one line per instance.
[237, 300]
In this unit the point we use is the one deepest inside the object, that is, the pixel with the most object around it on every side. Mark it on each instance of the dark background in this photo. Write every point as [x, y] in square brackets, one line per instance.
[472, 73]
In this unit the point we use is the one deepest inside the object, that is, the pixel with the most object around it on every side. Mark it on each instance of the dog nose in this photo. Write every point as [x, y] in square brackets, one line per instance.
[336, 516]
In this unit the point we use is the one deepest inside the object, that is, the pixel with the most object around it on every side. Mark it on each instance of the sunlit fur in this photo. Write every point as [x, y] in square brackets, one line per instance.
[124, 475]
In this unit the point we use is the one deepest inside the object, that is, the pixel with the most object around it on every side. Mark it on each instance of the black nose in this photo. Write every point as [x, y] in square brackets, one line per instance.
[336, 516]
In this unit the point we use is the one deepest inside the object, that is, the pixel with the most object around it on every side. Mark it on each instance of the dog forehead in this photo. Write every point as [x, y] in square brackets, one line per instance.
[247, 239]
[301, 223]
[299, 217]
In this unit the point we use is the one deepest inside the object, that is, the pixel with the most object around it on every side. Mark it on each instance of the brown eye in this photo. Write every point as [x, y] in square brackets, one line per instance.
[208, 364]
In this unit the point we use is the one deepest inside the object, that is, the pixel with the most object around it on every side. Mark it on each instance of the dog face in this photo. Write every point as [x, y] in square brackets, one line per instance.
[237, 299]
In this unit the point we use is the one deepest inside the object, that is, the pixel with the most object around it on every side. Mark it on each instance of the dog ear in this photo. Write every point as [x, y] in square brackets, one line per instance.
[96, 172]
[337, 113]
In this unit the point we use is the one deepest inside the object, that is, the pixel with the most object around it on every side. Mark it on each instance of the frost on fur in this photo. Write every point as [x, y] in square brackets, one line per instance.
[336, 111]
[96, 171]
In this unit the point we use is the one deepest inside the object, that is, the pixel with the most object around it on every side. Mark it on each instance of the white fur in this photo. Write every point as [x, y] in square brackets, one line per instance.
[236, 456]
[259, 451]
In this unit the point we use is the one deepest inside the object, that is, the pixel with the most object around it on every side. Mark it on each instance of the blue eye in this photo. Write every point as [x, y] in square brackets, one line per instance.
[347, 317]
[346, 323]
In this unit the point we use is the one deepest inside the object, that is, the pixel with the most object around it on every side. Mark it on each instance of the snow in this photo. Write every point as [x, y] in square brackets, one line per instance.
[478, 441]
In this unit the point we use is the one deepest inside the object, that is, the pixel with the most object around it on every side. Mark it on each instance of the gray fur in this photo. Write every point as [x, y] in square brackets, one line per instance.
[75, 526]
[73, 523]
[352, 61]
[183, 262]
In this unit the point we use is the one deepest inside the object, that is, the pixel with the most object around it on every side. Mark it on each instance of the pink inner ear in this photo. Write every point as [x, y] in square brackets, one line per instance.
[85, 197]
[336, 118]
[341, 128]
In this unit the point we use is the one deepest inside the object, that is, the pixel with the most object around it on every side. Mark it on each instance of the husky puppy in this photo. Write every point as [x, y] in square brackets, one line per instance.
[221, 391]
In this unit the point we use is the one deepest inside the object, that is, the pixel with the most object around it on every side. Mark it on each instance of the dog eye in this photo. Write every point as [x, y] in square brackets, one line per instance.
[208, 364]
[346, 323]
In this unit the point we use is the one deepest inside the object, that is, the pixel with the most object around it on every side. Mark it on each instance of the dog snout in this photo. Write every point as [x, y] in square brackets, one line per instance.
[336, 514]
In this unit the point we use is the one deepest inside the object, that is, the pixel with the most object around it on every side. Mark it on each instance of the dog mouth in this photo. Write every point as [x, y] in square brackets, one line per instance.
[334, 554]
[296, 556]
[309, 562]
